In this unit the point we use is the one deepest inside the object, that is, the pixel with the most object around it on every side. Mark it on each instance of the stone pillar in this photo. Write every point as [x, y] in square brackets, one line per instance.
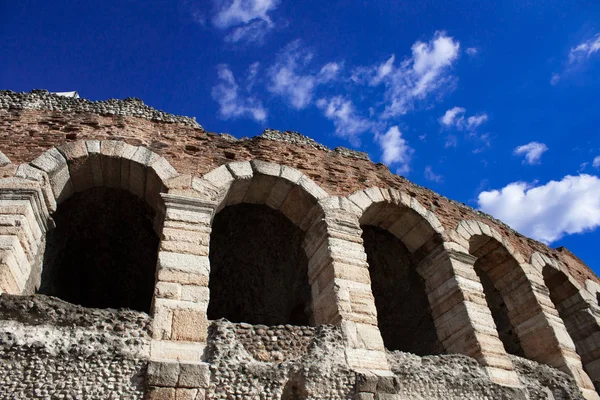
[460, 312]
[583, 325]
[24, 219]
[341, 288]
[541, 331]
[181, 300]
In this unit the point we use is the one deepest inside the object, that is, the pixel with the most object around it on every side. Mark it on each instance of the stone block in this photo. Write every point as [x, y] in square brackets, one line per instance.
[278, 193]
[163, 372]
[180, 182]
[265, 168]
[185, 278]
[186, 394]
[168, 290]
[366, 382]
[375, 195]
[219, 177]
[418, 235]
[206, 190]
[183, 262]
[11, 280]
[195, 293]
[161, 393]
[290, 174]
[369, 337]
[387, 385]
[163, 169]
[241, 169]
[80, 166]
[127, 155]
[297, 205]
[404, 224]
[189, 325]
[259, 189]
[162, 322]
[95, 161]
[176, 350]
[361, 200]
[3, 160]
[310, 187]
[55, 165]
[194, 375]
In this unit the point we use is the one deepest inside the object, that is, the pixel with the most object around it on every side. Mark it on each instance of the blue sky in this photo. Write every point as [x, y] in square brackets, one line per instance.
[494, 105]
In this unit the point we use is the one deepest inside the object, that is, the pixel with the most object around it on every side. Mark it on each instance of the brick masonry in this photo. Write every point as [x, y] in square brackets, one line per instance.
[52, 148]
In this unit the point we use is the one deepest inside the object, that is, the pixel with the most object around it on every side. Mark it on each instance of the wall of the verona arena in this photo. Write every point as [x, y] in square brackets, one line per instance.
[144, 257]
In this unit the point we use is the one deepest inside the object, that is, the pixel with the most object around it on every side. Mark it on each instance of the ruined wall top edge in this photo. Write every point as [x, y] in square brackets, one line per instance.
[31, 123]
[130, 107]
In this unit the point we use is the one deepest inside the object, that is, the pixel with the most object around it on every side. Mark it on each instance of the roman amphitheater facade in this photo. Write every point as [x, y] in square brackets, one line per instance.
[143, 256]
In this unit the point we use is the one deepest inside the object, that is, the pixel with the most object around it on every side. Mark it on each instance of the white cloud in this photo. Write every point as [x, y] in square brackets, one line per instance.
[455, 117]
[233, 13]
[577, 57]
[472, 51]
[289, 80]
[584, 50]
[253, 32]
[395, 150]
[425, 73]
[232, 104]
[431, 176]
[533, 152]
[252, 75]
[348, 124]
[547, 212]
[246, 20]
[329, 72]
[596, 162]
[474, 121]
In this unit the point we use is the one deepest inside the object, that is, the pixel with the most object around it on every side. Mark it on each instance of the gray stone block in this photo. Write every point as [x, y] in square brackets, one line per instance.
[194, 375]
[163, 373]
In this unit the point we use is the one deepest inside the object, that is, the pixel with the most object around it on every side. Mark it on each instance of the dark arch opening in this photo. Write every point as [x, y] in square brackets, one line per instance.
[403, 312]
[258, 269]
[102, 252]
[494, 261]
[560, 290]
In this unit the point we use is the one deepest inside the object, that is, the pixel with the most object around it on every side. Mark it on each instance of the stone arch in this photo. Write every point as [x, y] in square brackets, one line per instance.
[495, 261]
[84, 164]
[398, 233]
[577, 314]
[507, 279]
[262, 216]
[104, 172]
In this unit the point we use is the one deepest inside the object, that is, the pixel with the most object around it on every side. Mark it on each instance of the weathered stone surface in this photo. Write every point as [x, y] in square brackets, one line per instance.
[126, 145]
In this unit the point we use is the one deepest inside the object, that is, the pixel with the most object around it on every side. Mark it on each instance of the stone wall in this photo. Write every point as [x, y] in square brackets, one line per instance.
[266, 343]
[129, 107]
[450, 377]
[50, 349]
[192, 150]
[327, 197]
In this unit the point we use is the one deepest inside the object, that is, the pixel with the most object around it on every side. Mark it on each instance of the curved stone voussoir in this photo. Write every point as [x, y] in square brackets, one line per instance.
[3, 160]
[53, 163]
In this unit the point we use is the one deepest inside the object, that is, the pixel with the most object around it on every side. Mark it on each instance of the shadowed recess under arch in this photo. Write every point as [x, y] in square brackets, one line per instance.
[493, 264]
[396, 238]
[102, 252]
[258, 267]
